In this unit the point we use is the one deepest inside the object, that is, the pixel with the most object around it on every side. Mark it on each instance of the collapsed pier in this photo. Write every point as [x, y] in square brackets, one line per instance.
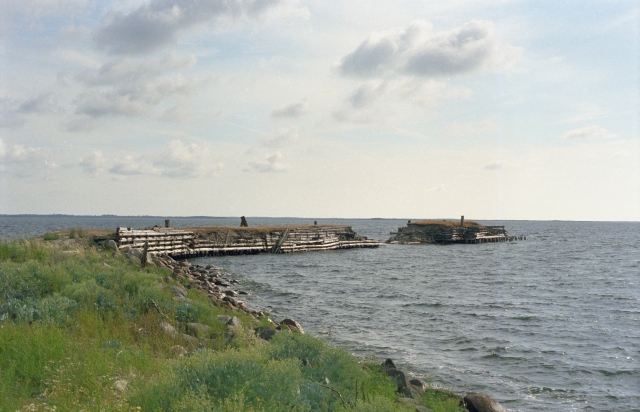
[445, 232]
[219, 240]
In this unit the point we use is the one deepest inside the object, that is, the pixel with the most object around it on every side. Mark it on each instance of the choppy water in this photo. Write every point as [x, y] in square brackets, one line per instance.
[551, 323]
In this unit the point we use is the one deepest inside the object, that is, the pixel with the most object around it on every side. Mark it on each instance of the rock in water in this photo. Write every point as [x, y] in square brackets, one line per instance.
[292, 325]
[479, 402]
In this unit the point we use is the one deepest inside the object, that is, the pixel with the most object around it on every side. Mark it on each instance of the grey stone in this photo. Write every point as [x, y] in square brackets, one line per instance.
[120, 385]
[135, 260]
[198, 329]
[479, 402]
[135, 252]
[292, 325]
[422, 408]
[410, 392]
[111, 245]
[234, 321]
[178, 351]
[190, 339]
[223, 318]
[228, 339]
[169, 329]
[401, 379]
[178, 291]
[265, 332]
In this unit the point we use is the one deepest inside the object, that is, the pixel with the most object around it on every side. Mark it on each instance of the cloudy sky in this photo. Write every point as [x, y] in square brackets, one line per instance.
[408, 109]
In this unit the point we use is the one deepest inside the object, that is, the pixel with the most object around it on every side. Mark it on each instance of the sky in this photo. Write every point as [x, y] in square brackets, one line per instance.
[358, 109]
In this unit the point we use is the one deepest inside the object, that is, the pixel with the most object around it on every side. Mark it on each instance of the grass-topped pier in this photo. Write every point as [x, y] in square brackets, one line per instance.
[227, 240]
[445, 232]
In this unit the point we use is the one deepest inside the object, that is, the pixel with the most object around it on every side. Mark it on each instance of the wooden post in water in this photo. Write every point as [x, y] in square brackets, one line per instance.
[243, 222]
[461, 221]
[167, 223]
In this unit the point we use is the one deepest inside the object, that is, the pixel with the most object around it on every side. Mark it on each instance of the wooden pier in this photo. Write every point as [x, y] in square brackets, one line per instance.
[447, 232]
[217, 241]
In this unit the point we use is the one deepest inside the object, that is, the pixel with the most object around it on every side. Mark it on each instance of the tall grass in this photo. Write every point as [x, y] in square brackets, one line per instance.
[83, 331]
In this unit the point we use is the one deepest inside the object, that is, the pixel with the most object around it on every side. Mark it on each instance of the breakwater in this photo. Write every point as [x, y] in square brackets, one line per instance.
[447, 232]
[217, 241]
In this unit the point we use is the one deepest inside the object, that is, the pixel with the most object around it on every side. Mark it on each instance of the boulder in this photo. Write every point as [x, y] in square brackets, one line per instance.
[223, 318]
[265, 332]
[120, 385]
[410, 392]
[111, 245]
[178, 291]
[401, 379]
[135, 252]
[291, 325]
[135, 260]
[169, 329]
[178, 351]
[190, 339]
[479, 402]
[234, 321]
[198, 329]
[389, 364]
[418, 385]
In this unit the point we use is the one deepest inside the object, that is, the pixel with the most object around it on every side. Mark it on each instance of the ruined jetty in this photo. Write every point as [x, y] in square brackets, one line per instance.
[445, 232]
[224, 240]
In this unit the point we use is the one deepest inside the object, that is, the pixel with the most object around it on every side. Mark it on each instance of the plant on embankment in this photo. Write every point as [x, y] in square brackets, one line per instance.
[86, 330]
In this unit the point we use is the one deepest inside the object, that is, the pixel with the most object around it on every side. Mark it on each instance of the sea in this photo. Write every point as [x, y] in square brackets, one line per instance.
[551, 323]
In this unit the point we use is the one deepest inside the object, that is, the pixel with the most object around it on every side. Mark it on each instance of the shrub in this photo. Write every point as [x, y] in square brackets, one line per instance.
[51, 236]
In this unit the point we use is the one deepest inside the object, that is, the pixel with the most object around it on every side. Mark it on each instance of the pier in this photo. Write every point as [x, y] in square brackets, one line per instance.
[445, 232]
[218, 241]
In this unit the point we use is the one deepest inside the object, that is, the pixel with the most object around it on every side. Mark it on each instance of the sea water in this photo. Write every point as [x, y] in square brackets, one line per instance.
[547, 324]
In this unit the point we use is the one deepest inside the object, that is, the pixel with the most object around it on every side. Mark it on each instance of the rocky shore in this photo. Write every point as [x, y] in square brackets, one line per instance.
[223, 291]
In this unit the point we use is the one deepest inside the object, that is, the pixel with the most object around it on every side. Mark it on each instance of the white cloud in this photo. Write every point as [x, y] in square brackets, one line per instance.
[158, 23]
[175, 160]
[179, 160]
[366, 94]
[270, 163]
[482, 126]
[419, 51]
[292, 110]
[9, 115]
[43, 103]
[279, 138]
[130, 166]
[24, 161]
[93, 163]
[589, 132]
[133, 87]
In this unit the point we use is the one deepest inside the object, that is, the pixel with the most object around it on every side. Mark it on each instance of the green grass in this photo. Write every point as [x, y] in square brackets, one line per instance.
[77, 233]
[51, 236]
[82, 331]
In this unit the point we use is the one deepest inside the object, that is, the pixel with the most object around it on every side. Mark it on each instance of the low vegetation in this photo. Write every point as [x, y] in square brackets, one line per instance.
[448, 223]
[85, 329]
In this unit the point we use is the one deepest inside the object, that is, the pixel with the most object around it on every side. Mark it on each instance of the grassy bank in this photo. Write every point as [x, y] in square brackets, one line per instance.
[85, 329]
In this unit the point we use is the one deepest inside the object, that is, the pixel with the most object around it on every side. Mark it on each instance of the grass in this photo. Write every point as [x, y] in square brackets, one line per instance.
[77, 233]
[83, 331]
[51, 236]
[448, 223]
